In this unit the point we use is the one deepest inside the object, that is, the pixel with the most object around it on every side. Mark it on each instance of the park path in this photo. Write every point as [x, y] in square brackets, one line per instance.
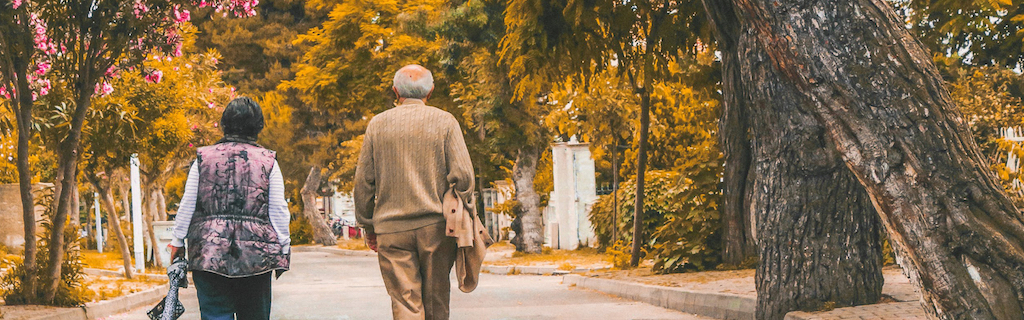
[327, 286]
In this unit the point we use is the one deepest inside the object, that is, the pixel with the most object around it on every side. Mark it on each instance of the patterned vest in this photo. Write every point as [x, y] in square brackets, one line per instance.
[230, 233]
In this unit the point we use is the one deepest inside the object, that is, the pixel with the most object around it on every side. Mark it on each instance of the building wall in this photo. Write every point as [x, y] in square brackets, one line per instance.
[12, 226]
[575, 191]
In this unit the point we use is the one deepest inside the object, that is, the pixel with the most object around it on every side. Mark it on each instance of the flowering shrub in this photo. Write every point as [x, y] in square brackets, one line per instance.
[117, 36]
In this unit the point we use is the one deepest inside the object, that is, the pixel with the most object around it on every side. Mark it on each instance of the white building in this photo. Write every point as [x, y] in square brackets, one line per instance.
[575, 191]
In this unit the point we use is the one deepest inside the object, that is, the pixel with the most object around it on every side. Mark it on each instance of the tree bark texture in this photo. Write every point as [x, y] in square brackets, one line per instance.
[68, 166]
[114, 223]
[23, 117]
[76, 212]
[641, 168]
[523, 173]
[858, 71]
[321, 231]
[151, 211]
[733, 137]
[819, 236]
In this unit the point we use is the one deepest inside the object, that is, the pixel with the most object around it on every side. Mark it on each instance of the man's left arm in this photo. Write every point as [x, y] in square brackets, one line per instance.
[460, 166]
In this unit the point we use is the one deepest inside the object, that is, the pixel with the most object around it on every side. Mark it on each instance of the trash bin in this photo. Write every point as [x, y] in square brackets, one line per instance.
[164, 231]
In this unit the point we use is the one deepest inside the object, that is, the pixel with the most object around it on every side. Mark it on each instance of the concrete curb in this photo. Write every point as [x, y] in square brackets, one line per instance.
[337, 251]
[532, 270]
[64, 314]
[709, 304]
[119, 274]
[124, 304]
[102, 309]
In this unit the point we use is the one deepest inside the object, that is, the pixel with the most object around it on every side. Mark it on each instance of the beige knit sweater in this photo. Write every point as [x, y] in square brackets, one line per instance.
[411, 155]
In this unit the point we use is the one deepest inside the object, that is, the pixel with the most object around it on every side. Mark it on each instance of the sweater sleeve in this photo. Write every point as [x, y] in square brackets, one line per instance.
[364, 194]
[186, 207]
[279, 215]
[460, 167]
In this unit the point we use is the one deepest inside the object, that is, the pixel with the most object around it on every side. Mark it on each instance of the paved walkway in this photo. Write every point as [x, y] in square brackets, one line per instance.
[326, 286]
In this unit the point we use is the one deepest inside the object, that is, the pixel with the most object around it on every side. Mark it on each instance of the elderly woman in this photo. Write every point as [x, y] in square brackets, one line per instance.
[235, 218]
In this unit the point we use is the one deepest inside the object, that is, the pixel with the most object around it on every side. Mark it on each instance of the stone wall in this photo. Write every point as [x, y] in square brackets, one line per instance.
[12, 227]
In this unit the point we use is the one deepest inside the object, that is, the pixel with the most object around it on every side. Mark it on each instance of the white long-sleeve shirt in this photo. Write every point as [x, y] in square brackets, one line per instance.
[279, 216]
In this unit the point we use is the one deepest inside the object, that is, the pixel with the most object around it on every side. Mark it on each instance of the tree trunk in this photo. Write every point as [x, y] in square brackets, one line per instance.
[68, 166]
[28, 207]
[733, 126]
[523, 172]
[76, 211]
[149, 213]
[114, 223]
[858, 71]
[819, 236]
[161, 204]
[321, 231]
[641, 168]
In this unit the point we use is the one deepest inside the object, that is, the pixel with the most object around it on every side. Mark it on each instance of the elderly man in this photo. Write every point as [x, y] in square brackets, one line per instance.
[412, 154]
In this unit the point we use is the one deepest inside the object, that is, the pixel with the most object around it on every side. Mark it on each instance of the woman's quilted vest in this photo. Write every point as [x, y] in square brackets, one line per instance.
[231, 234]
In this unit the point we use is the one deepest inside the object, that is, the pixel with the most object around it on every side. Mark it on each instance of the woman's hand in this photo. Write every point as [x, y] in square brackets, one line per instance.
[176, 252]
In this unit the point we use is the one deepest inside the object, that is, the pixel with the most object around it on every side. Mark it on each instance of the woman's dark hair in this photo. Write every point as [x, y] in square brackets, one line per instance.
[242, 118]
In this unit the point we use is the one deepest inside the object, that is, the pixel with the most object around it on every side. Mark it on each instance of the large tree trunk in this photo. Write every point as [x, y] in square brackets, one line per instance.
[523, 173]
[861, 74]
[818, 235]
[733, 130]
[114, 223]
[321, 231]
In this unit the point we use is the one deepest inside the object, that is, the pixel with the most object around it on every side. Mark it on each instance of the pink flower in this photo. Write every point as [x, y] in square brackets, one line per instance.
[17, 3]
[4, 93]
[189, 145]
[35, 96]
[104, 89]
[211, 105]
[155, 76]
[42, 67]
[181, 15]
[177, 49]
[214, 60]
[214, 124]
[140, 8]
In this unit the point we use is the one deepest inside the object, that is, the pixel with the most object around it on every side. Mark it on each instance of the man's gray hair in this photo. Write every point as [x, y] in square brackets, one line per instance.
[414, 82]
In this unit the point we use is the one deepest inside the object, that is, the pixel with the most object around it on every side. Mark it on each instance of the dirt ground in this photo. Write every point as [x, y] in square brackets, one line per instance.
[504, 254]
[739, 282]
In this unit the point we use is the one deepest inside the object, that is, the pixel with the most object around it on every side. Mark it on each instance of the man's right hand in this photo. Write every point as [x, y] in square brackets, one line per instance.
[371, 239]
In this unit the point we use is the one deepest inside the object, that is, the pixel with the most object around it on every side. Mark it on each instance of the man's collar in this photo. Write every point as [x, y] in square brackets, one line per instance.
[410, 101]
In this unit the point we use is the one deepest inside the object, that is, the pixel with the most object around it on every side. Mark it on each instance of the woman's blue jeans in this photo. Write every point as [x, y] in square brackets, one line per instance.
[223, 298]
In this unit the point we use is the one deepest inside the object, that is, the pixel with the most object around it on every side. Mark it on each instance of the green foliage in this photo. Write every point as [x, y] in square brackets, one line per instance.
[619, 254]
[300, 230]
[690, 237]
[258, 51]
[70, 291]
[990, 99]
[980, 32]
[680, 216]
